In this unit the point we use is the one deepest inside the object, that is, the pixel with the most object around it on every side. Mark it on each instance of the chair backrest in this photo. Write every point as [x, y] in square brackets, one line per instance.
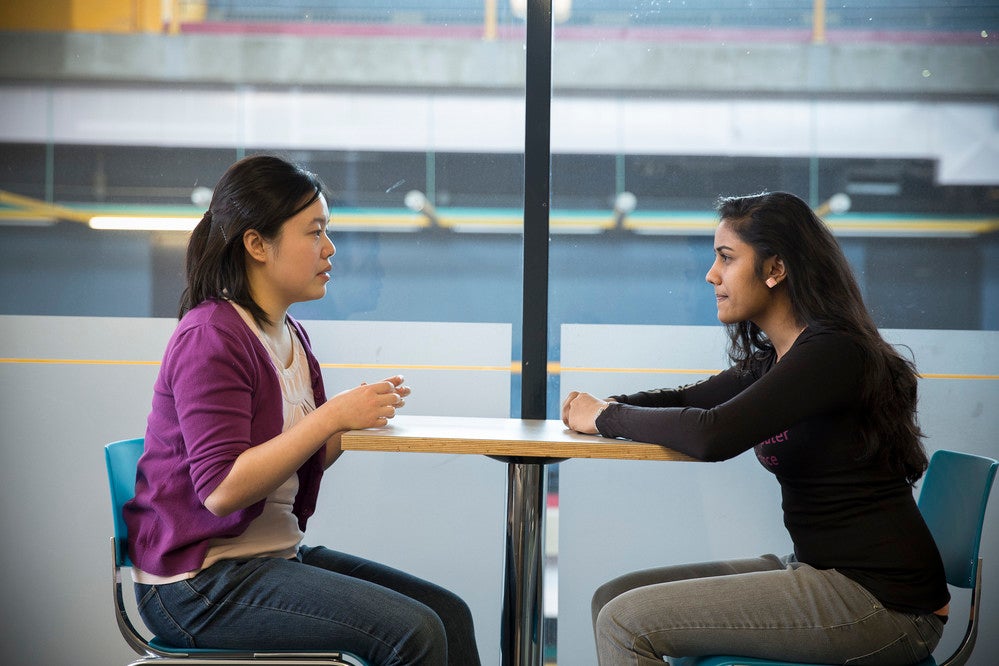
[121, 458]
[955, 492]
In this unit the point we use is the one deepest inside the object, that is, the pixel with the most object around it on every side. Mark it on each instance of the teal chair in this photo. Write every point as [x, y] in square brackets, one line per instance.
[121, 459]
[953, 498]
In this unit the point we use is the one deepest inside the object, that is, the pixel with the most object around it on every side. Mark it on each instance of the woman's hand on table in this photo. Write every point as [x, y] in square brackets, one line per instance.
[370, 405]
[580, 411]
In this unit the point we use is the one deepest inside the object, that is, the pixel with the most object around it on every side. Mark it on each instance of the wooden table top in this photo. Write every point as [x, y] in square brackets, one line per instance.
[498, 437]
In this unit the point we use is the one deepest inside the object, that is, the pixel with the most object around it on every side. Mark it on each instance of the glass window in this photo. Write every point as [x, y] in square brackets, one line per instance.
[882, 115]
[662, 108]
[413, 114]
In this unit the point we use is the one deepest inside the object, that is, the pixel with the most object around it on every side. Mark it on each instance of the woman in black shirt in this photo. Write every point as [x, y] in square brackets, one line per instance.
[829, 408]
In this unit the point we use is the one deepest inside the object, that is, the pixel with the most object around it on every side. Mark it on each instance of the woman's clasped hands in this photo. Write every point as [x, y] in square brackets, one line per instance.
[371, 405]
[580, 411]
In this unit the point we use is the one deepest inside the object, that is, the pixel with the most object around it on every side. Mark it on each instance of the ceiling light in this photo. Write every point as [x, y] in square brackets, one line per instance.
[418, 202]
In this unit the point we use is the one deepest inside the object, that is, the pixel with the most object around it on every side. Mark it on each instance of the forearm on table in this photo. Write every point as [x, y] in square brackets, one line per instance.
[688, 430]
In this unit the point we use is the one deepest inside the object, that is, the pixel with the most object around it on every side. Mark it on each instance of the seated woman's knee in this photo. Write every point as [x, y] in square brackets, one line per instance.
[426, 639]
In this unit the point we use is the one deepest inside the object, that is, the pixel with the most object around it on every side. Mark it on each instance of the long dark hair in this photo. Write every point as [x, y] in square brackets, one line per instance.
[260, 192]
[824, 295]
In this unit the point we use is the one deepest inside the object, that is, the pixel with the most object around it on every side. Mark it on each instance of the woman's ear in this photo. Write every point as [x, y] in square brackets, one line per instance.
[255, 245]
[774, 271]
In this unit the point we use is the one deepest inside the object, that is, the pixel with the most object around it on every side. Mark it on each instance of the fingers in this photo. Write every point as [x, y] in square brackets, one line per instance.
[567, 405]
[395, 380]
[391, 395]
[375, 413]
[395, 384]
[579, 412]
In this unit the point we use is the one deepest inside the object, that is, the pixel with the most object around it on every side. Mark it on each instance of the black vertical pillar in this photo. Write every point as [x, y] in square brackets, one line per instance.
[537, 198]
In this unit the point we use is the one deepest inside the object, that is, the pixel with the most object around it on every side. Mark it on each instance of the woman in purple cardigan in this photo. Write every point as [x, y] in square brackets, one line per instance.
[237, 440]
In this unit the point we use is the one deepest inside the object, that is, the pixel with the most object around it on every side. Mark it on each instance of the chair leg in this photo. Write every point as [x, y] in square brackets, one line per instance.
[967, 646]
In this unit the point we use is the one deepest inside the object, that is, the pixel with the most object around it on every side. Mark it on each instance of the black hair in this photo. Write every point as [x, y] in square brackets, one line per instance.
[260, 192]
[824, 295]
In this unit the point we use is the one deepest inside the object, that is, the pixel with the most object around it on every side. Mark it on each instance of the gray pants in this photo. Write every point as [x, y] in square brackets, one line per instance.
[766, 607]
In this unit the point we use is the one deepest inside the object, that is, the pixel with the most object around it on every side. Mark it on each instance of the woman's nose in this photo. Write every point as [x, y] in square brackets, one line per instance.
[711, 276]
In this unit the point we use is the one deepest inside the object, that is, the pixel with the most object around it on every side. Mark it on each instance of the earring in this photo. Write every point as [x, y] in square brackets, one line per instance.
[771, 282]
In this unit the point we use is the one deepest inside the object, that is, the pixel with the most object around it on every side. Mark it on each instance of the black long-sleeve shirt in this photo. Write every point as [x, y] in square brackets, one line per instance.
[801, 417]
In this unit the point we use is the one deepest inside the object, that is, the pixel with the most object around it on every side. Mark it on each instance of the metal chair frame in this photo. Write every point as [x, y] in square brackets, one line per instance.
[154, 651]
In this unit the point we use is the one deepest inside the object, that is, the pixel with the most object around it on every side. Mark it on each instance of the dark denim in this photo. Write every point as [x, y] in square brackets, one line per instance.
[322, 600]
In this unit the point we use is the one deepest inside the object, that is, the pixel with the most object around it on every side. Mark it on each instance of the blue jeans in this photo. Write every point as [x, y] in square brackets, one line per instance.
[765, 607]
[321, 600]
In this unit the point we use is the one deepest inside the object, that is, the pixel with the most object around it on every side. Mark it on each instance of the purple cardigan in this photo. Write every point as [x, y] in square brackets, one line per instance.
[217, 394]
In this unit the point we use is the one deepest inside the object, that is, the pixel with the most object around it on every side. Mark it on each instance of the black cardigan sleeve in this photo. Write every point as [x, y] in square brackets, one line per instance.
[707, 393]
[730, 413]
